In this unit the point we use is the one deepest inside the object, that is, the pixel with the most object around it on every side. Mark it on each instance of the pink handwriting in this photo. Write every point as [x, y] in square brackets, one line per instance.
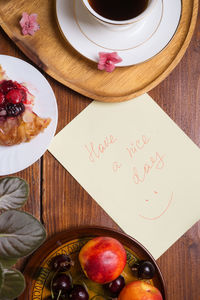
[116, 166]
[155, 162]
[162, 213]
[137, 146]
[95, 152]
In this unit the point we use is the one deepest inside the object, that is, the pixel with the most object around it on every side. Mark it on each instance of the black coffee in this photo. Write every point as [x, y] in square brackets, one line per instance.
[119, 10]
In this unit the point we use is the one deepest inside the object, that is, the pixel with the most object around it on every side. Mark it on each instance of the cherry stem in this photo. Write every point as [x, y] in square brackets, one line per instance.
[59, 295]
[51, 284]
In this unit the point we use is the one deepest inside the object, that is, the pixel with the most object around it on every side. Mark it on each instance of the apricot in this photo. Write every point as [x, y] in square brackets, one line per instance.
[140, 290]
[102, 259]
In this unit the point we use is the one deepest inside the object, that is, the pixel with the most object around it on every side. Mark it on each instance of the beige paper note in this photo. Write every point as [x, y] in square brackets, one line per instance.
[138, 165]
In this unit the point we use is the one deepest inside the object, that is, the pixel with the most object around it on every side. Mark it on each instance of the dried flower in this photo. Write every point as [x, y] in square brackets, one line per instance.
[108, 60]
[29, 24]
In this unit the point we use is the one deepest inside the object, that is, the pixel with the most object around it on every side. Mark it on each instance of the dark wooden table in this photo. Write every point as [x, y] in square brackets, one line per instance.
[60, 203]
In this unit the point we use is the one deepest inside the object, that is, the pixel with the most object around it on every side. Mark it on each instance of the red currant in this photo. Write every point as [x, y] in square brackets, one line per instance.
[14, 96]
[2, 98]
[7, 85]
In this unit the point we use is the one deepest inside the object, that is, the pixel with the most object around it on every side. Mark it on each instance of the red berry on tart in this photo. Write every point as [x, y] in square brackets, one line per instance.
[18, 123]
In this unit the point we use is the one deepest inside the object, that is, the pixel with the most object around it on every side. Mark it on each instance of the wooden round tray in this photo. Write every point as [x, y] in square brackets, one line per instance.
[50, 51]
[38, 271]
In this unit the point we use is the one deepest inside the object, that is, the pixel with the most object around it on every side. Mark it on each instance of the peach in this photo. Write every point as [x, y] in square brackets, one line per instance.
[102, 259]
[140, 290]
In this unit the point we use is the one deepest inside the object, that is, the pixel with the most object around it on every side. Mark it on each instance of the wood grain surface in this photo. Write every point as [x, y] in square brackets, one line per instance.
[52, 53]
[61, 203]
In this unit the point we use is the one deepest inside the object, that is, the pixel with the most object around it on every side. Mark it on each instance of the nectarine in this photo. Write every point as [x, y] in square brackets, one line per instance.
[140, 290]
[102, 259]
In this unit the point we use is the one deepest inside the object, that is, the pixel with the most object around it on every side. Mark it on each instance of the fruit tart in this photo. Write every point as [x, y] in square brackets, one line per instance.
[18, 122]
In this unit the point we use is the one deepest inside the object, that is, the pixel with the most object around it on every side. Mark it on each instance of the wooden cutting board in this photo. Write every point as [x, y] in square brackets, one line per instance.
[50, 52]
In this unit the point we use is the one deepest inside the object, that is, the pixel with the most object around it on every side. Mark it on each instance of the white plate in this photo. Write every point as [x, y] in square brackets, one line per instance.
[18, 157]
[134, 45]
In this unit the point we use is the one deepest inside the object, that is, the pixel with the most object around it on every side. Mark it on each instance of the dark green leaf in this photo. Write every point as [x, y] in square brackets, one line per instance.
[7, 262]
[20, 234]
[13, 286]
[13, 193]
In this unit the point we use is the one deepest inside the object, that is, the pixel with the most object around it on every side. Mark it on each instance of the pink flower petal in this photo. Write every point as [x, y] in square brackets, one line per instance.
[101, 67]
[24, 31]
[24, 19]
[109, 67]
[33, 18]
[102, 57]
[108, 60]
[29, 24]
[114, 57]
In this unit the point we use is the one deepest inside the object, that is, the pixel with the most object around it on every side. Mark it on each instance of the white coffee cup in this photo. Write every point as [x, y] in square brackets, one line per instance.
[120, 24]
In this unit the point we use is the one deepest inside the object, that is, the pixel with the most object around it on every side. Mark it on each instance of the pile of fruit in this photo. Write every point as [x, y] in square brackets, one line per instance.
[102, 261]
[13, 97]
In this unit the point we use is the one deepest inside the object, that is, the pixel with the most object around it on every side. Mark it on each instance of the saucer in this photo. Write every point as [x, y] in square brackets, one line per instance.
[134, 44]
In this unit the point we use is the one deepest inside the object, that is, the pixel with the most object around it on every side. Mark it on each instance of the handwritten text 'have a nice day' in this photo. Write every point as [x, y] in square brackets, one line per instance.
[154, 162]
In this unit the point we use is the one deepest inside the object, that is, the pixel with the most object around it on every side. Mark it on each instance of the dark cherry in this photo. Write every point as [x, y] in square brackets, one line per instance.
[116, 286]
[78, 293]
[144, 269]
[61, 284]
[61, 262]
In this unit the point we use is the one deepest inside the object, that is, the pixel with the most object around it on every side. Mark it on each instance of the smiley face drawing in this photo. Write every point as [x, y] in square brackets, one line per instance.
[149, 202]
